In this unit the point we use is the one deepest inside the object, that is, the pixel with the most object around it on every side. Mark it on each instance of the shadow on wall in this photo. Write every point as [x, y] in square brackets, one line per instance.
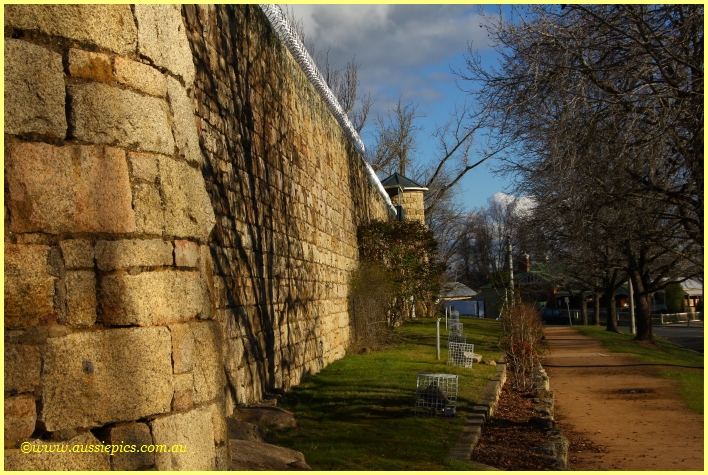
[288, 190]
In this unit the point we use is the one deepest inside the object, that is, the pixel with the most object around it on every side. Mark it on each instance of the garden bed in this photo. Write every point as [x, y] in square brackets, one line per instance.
[508, 440]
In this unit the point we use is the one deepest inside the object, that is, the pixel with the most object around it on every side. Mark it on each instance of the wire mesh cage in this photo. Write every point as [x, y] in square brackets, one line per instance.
[455, 327]
[460, 354]
[436, 395]
[456, 338]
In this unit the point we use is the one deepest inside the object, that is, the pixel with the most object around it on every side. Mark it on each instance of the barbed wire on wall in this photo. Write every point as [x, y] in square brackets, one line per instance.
[289, 37]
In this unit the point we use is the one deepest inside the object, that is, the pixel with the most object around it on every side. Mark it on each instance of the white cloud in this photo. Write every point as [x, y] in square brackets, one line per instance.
[524, 204]
[401, 49]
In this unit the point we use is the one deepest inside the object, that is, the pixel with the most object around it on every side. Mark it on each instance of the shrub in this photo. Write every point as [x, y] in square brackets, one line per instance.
[370, 288]
[674, 298]
[523, 344]
[407, 251]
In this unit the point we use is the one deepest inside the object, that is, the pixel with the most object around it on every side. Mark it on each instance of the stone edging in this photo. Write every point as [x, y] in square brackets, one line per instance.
[556, 448]
[481, 412]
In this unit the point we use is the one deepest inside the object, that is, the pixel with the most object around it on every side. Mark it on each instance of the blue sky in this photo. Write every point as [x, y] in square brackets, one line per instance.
[407, 51]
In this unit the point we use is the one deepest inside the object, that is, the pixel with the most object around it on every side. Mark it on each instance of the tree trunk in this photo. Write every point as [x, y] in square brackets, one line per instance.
[611, 309]
[642, 308]
[596, 306]
[583, 307]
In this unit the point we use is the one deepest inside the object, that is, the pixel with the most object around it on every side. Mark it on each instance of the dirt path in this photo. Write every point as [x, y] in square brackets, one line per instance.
[634, 416]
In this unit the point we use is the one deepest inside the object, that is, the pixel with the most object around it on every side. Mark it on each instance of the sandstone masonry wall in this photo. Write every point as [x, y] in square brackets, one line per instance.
[180, 223]
[288, 190]
[413, 204]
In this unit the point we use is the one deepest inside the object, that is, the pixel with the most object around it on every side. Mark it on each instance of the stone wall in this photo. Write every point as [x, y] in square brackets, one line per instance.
[413, 205]
[288, 190]
[180, 222]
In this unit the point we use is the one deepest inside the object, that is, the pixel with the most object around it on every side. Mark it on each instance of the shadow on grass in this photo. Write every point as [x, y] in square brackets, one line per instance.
[358, 413]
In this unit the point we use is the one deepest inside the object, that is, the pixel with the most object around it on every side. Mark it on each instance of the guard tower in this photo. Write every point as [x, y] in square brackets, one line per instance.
[407, 196]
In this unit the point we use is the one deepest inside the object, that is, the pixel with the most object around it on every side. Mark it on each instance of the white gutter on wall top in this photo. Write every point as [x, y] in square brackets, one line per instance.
[288, 36]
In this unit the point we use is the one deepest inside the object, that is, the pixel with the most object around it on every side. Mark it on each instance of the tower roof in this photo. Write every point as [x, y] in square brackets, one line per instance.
[397, 180]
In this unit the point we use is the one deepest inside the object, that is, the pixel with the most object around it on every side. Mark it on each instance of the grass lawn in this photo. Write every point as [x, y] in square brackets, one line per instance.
[689, 382]
[358, 413]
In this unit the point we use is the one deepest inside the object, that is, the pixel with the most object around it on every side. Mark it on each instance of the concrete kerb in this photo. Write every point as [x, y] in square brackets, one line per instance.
[481, 412]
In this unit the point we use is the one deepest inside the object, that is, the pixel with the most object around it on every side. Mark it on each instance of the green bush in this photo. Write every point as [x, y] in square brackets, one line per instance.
[674, 298]
[407, 251]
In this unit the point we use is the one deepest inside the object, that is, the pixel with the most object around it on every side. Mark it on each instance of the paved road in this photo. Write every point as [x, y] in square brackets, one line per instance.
[690, 337]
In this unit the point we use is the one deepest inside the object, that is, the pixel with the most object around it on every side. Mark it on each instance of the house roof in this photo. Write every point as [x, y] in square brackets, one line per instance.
[397, 180]
[693, 286]
[456, 290]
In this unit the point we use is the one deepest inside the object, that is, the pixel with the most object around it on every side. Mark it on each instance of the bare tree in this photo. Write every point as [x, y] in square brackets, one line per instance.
[640, 64]
[605, 106]
[342, 81]
[395, 137]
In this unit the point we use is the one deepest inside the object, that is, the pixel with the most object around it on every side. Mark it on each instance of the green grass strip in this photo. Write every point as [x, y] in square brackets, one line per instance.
[358, 412]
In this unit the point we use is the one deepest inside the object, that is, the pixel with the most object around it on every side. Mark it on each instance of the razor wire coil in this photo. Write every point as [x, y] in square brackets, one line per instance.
[289, 37]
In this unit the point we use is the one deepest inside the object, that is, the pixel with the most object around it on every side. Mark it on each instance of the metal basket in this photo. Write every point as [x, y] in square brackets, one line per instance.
[436, 395]
[460, 354]
[456, 338]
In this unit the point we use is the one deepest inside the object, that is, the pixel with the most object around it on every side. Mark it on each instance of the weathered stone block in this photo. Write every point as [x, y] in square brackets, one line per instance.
[188, 210]
[265, 416]
[80, 298]
[186, 253]
[243, 430]
[29, 287]
[182, 348]
[209, 379]
[34, 90]
[143, 166]
[184, 126]
[55, 456]
[134, 433]
[105, 114]
[149, 215]
[93, 378]
[251, 455]
[140, 76]
[184, 392]
[77, 253]
[95, 66]
[112, 255]
[22, 367]
[20, 417]
[162, 39]
[108, 26]
[151, 298]
[192, 430]
[68, 189]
